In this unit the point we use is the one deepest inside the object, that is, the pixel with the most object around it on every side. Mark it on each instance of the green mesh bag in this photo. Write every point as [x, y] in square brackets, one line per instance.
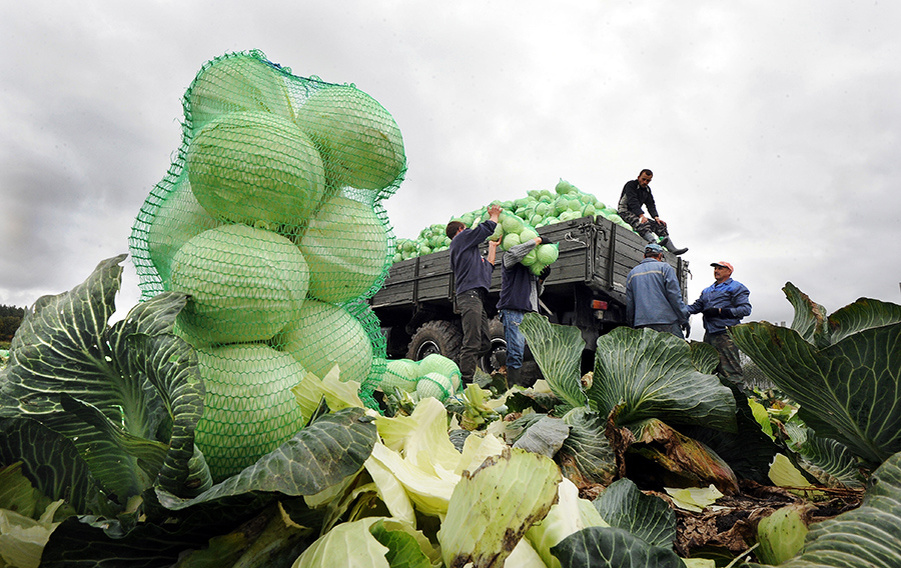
[270, 218]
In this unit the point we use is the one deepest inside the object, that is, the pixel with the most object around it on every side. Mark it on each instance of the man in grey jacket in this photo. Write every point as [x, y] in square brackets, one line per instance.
[520, 289]
[653, 295]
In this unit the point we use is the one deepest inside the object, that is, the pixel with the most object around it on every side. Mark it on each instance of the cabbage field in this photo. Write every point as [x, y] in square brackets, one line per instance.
[244, 413]
[647, 461]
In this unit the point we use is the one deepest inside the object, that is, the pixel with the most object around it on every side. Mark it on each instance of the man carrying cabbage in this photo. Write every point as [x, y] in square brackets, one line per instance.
[472, 279]
[520, 289]
[636, 195]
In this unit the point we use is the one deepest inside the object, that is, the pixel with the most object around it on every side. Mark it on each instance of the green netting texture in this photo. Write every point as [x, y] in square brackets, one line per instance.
[270, 217]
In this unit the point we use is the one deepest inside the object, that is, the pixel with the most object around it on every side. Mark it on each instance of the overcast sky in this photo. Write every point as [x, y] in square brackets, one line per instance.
[772, 127]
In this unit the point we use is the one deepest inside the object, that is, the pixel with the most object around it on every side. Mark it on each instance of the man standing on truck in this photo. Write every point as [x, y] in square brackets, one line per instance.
[723, 304]
[636, 195]
[472, 279]
[653, 295]
[520, 289]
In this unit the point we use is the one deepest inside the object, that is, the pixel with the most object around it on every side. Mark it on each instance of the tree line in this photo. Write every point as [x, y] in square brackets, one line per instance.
[10, 319]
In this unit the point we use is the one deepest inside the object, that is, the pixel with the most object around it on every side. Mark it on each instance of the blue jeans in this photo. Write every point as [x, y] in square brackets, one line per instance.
[516, 343]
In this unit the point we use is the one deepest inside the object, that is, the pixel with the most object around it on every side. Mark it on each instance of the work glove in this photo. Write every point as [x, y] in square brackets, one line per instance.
[727, 312]
[545, 272]
[546, 241]
[711, 313]
[686, 328]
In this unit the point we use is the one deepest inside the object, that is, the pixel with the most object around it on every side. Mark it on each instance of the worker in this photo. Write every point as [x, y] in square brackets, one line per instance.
[520, 289]
[723, 304]
[636, 195]
[654, 296]
[472, 279]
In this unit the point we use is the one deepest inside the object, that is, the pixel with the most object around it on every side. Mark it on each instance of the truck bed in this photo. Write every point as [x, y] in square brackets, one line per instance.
[594, 252]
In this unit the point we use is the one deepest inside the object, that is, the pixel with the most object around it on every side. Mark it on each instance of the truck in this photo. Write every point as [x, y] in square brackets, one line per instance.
[586, 289]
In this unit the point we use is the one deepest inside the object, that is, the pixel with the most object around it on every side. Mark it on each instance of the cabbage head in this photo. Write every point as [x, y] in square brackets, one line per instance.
[360, 142]
[251, 167]
[346, 246]
[237, 83]
[249, 409]
[324, 335]
[244, 283]
[179, 218]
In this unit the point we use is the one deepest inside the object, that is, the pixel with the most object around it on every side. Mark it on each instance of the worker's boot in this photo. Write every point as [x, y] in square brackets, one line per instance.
[668, 245]
[650, 237]
[514, 377]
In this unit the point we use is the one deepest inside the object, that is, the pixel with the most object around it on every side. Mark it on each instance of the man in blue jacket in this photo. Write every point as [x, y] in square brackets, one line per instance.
[724, 303]
[472, 279]
[520, 289]
[653, 294]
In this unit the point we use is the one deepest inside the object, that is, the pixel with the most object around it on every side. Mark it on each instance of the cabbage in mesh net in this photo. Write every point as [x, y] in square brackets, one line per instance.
[249, 409]
[324, 335]
[245, 284]
[251, 167]
[270, 219]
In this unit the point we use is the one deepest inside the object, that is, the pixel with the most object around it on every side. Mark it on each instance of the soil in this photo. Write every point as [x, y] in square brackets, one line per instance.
[729, 527]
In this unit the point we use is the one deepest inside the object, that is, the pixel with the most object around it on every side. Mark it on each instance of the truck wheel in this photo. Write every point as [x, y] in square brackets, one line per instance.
[497, 357]
[436, 336]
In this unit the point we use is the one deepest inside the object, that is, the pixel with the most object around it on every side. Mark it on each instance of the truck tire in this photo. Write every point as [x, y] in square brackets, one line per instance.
[436, 336]
[497, 357]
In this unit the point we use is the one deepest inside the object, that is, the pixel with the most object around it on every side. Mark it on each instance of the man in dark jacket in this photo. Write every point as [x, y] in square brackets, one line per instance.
[636, 195]
[520, 289]
[472, 279]
[653, 295]
[724, 303]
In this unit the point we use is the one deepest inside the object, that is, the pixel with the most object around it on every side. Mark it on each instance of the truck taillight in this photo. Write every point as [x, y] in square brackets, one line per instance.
[598, 305]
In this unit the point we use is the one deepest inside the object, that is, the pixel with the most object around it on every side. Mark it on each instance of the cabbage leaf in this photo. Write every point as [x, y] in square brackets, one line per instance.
[127, 396]
[867, 536]
[558, 351]
[847, 391]
[647, 374]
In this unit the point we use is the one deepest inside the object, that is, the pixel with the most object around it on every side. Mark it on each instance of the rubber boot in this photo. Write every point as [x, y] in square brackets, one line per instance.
[668, 245]
[514, 377]
[650, 237]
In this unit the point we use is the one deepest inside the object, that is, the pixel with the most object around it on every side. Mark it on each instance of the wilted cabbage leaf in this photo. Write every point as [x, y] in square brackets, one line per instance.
[486, 535]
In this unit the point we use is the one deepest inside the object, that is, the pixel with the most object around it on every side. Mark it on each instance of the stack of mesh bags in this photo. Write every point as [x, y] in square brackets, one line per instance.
[270, 219]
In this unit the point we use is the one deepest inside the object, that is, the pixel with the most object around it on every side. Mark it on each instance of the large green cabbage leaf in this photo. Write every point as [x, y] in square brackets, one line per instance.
[104, 417]
[848, 391]
[608, 547]
[866, 537]
[127, 396]
[647, 374]
[624, 506]
[586, 453]
[558, 351]
[812, 323]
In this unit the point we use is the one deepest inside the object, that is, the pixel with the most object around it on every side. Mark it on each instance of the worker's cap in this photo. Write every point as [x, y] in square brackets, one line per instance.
[722, 264]
[654, 248]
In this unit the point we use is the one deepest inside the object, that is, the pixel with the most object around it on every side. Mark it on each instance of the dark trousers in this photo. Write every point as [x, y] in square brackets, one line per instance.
[471, 307]
[651, 226]
[730, 361]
